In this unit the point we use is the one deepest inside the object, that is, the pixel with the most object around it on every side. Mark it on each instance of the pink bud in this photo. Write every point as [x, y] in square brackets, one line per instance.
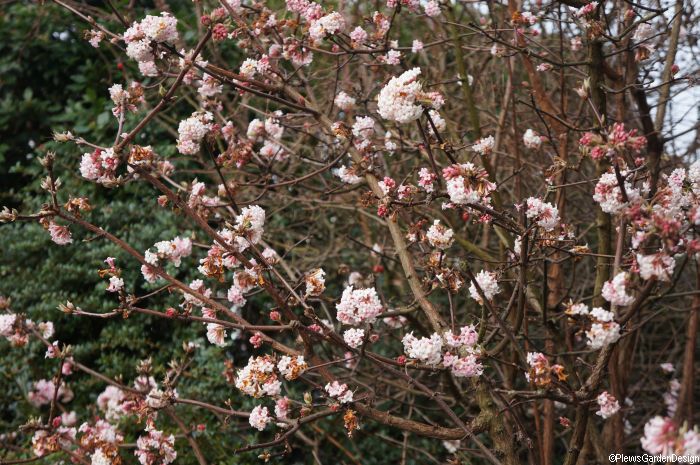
[256, 340]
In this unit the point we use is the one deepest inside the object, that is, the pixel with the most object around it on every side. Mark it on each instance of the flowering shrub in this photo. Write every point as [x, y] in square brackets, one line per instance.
[364, 239]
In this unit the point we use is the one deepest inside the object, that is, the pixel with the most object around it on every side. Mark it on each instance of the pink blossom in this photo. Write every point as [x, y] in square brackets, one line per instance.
[155, 448]
[546, 214]
[489, 286]
[615, 291]
[425, 349]
[354, 337]
[440, 236]
[432, 8]
[259, 418]
[609, 406]
[60, 234]
[358, 305]
[282, 408]
[339, 392]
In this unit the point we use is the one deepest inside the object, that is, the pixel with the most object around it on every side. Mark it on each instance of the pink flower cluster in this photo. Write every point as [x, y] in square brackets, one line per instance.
[340, 392]
[401, 100]
[192, 130]
[546, 214]
[43, 392]
[270, 132]
[541, 373]
[354, 337]
[358, 306]
[467, 184]
[100, 166]
[139, 37]
[60, 235]
[259, 378]
[663, 437]
[259, 418]
[155, 448]
[440, 236]
[608, 405]
[484, 146]
[615, 291]
[604, 329]
[618, 142]
[489, 286]
[461, 354]
[173, 251]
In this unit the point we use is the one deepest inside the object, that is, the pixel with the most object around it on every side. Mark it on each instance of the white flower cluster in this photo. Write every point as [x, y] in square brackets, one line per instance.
[270, 132]
[315, 282]
[258, 378]
[440, 236]
[99, 166]
[216, 334]
[354, 337]
[173, 251]
[199, 198]
[7, 323]
[546, 214]
[659, 266]
[484, 146]
[615, 291]
[125, 100]
[425, 349]
[468, 336]
[292, 367]
[461, 354]
[489, 286]
[329, 24]
[155, 448]
[192, 130]
[249, 227]
[363, 128]
[339, 392]
[100, 431]
[532, 140]
[398, 100]
[210, 86]
[465, 362]
[663, 437]
[609, 406]
[139, 36]
[347, 175]
[110, 402]
[116, 284]
[344, 101]
[357, 306]
[426, 180]
[467, 184]
[604, 329]
[609, 196]
[694, 177]
[432, 8]
[248, 68]
[259, 418]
